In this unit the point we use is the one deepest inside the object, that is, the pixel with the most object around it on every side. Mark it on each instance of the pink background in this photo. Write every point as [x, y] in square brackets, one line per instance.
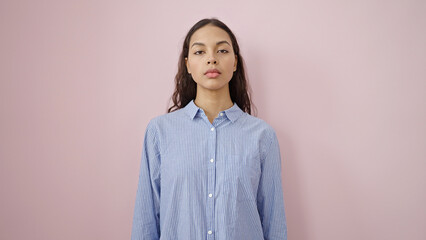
[343, 83]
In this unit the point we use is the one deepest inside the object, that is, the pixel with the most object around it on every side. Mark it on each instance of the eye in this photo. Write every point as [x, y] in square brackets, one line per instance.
[222, 51]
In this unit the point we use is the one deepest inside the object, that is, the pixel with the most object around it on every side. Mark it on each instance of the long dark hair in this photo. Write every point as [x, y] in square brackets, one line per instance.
[186, 87]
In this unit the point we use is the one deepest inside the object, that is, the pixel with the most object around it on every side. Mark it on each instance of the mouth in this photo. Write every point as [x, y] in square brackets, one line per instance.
[212, 73]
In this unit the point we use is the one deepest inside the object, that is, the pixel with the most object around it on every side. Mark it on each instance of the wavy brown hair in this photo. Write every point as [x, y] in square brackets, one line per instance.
[186, 87]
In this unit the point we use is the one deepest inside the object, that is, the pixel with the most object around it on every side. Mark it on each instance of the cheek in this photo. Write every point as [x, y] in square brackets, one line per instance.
[194, 65]
[230, 63]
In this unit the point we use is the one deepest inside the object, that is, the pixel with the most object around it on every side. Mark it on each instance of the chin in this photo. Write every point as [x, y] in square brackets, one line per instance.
[213, 85]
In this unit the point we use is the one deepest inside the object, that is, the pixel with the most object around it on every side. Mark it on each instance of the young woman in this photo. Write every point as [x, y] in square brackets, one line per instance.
[209, 169]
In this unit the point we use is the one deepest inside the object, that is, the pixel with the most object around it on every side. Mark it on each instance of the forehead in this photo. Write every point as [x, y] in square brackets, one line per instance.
[209, 35]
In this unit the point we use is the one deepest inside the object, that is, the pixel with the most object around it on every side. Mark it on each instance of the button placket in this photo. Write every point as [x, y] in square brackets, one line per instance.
[211, 183]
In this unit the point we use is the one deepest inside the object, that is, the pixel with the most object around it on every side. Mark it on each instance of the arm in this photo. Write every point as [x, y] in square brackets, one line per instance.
[146, 218]
[270, 200]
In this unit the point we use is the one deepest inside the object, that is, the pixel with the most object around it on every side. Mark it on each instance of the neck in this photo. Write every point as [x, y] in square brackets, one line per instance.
[213, 102]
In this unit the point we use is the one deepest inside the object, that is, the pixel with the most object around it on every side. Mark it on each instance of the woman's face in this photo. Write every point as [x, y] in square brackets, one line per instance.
[211, 48]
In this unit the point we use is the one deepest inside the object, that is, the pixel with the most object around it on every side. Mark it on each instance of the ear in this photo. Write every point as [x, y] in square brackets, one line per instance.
[235, 63]
[186, 63]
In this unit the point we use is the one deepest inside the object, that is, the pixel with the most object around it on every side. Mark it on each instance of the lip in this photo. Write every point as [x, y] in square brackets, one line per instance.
[213, 70]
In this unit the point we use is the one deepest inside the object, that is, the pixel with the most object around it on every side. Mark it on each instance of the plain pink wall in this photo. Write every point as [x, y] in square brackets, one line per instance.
[342, 82]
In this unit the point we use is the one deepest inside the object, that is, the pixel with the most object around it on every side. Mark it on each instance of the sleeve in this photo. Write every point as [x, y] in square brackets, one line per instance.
[146, 218]
[270, 200]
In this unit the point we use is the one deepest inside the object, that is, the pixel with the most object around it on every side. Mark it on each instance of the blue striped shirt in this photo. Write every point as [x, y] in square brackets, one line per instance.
[200, 180]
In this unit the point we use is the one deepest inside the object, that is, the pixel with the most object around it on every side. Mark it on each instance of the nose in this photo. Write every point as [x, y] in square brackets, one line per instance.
[211, 60]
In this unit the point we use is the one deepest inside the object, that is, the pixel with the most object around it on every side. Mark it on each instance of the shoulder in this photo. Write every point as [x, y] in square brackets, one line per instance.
[261, 126]
[159, 125]
[260, 131]
[164, 120]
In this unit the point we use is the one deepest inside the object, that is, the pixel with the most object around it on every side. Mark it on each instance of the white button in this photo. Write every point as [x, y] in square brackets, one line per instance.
[211, 160]
[212, 129]
[209, 232]
[221, 114]
[210, 195]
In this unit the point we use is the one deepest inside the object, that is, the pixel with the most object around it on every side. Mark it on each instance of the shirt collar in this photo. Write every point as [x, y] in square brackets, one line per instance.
[231, 113]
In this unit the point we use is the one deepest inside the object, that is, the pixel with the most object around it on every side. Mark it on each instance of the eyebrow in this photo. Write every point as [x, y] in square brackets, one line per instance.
[202, 44]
